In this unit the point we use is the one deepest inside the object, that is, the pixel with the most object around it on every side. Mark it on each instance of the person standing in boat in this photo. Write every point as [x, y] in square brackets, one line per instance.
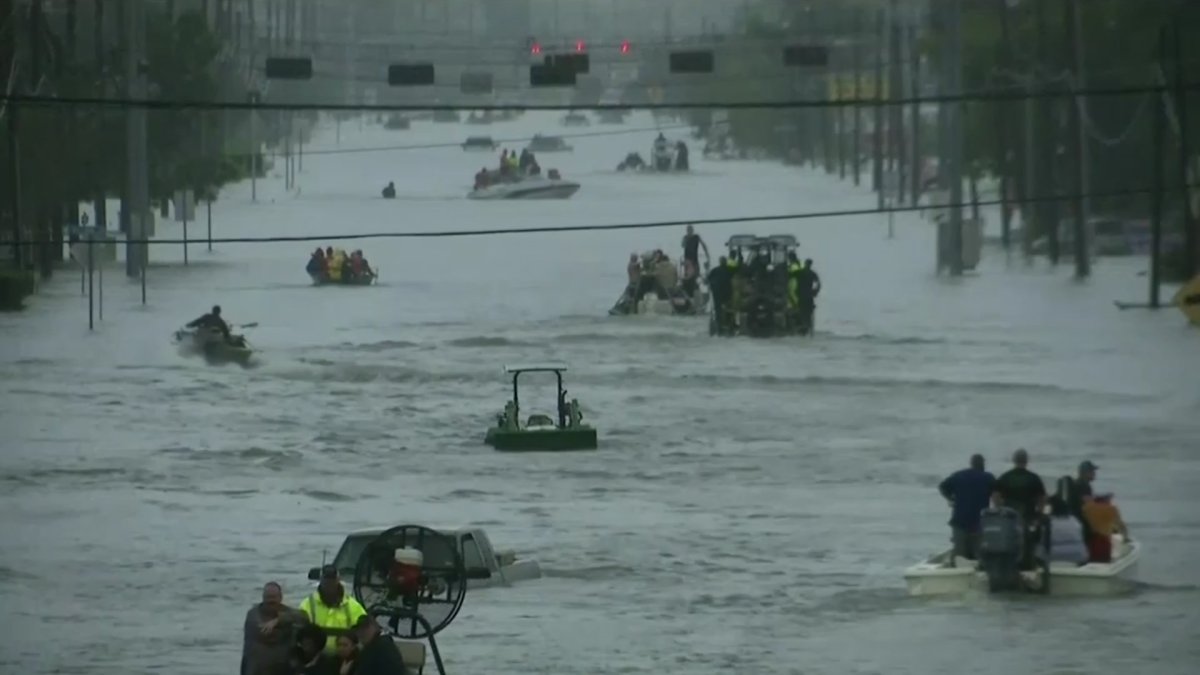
[692, 243]
[1024, 492]
[720, 287]
[1066, 535]
[968, 491]
[331, 607]
[269, 634]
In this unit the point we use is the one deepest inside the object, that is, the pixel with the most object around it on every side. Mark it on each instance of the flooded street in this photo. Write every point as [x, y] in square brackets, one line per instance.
[751, 507]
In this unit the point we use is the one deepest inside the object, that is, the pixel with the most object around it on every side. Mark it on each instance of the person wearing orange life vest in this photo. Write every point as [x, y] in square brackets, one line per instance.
[332, 608]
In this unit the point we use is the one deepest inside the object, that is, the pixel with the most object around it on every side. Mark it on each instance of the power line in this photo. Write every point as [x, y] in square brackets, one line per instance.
[983, 95]
[652, 224]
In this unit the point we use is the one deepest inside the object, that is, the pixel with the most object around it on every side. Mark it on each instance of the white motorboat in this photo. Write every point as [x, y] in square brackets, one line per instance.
[945, 574]
[505, 567]
[528, 187]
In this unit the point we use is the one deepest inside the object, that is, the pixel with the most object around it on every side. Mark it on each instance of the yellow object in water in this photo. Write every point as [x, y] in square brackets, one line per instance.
[1188, 300]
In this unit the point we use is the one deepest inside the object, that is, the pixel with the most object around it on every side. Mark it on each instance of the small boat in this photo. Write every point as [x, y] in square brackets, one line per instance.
[996, 571]
[213, 346]
[529, 187]
[540, 432]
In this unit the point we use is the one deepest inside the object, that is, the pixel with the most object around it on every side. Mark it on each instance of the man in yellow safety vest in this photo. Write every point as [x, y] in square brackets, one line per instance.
[331, 607]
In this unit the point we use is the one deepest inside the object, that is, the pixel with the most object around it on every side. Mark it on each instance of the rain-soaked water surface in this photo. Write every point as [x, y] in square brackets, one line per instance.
[751, 507]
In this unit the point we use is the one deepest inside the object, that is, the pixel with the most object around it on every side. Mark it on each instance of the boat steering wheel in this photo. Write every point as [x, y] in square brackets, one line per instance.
[417, 600]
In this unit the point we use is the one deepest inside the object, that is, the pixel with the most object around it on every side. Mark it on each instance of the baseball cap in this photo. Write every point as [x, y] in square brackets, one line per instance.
[1086, 465]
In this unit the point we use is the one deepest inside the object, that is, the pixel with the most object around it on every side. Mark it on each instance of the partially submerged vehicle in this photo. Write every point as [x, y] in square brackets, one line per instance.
[999, 569]
[575, 119]
[498, 186]
[444, 115]
[540, 432]
[612, 116]
[479, 143]
[212, 345]
[413, 581]
[540, 143]
[472, 543]
[397, 122]
[480, 117]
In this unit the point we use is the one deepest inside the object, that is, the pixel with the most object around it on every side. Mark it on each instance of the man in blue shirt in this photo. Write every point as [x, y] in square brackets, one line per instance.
[969, 492]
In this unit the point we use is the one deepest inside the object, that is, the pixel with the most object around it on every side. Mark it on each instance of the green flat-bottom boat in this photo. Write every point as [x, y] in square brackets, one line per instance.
[540, 433]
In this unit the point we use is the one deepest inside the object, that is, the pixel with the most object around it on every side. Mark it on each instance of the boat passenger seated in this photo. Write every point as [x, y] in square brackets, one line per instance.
[213, 321]
[554, 175]
[1066, 535]
[538, 420]
[389, 191]
[1103, 520]
[316, 264]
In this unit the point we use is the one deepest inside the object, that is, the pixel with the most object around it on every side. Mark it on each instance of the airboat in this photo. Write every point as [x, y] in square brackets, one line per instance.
[413, 581]
[540, 433]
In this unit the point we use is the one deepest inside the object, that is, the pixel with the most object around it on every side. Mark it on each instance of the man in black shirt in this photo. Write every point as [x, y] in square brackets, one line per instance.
[692, 243]
[377, 654]
[1021, 489]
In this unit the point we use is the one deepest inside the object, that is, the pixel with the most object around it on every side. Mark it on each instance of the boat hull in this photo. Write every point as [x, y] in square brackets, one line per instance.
[542, 440]
[541, 190]
[359, 281]
[936, 576]
[212, 346]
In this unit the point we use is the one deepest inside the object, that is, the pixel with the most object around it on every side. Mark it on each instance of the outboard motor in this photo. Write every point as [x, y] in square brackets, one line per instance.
[1001, 546]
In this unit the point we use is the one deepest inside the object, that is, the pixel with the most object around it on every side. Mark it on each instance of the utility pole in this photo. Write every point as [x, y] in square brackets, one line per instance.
[896, 110]
[1079, 141]
[877, 172]
[137, 254]
[1157, 181]
[856, 150]
[950, 118]
[1048, 144]
[1191, 238]
[917, 154]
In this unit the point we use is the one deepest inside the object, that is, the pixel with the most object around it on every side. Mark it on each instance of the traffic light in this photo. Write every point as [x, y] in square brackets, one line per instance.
[580, 46]
[535, 48]
[624, 46]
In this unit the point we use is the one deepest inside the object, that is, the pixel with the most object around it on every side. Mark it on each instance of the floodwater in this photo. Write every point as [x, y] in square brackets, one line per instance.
[753, 503]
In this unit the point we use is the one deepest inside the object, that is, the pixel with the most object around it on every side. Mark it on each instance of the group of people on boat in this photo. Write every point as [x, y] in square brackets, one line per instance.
[329, 634]
[513, 167]
[1074, 524]
[330, 265]
[757, 297]
[655, 273]
[661, 156]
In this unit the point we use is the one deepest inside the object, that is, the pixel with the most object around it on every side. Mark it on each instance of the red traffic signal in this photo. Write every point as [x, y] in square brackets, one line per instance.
[580, 46]
[624, 46]
[535, 48]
